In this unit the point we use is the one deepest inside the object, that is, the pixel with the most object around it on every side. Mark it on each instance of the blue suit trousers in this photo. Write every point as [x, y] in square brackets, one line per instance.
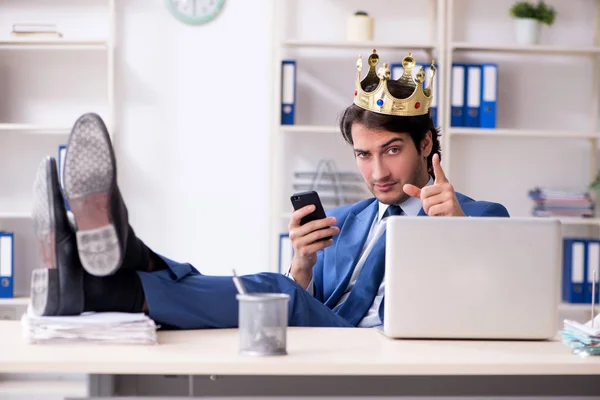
[181, 297]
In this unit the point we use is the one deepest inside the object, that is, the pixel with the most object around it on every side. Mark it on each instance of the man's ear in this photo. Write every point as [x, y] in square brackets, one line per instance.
[426, 144]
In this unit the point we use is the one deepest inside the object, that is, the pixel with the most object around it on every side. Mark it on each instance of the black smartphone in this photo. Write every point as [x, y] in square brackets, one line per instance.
[303, 199]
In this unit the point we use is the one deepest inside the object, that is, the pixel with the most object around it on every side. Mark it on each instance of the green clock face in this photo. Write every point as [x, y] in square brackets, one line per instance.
[195, 12]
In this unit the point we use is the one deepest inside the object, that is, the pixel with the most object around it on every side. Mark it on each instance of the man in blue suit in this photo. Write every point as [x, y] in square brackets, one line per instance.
[99, 264]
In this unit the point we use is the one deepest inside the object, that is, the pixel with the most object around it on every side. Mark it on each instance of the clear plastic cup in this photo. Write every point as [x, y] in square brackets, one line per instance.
[263, 321]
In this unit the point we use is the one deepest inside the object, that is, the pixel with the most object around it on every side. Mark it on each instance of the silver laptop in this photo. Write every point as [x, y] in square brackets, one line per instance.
[472, 278]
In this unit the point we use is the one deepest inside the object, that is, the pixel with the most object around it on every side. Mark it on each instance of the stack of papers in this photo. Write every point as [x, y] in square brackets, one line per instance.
[584, 339]
[101, 327]
[561, 203]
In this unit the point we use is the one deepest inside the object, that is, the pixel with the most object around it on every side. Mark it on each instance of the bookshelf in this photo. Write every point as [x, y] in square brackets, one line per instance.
[48, 82]
[539, 140]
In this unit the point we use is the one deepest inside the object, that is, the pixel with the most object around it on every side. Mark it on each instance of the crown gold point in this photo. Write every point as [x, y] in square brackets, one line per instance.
[373, 59]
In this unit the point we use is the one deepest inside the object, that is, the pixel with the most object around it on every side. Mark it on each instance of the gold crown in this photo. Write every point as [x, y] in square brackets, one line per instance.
[381, 101]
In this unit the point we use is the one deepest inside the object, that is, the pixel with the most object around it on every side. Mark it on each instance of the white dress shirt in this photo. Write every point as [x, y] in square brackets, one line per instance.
[410, 207]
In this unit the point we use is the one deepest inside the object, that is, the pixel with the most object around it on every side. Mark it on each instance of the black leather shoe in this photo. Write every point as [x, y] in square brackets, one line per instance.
[105, 240]
[57, 288]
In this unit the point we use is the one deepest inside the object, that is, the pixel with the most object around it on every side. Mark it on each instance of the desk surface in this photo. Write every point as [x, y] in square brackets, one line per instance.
[312, 351]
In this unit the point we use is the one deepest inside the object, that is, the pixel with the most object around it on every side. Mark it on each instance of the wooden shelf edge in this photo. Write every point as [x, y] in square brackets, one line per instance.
[341, 44]
[54, 43]
[531, 49]
[526, 133]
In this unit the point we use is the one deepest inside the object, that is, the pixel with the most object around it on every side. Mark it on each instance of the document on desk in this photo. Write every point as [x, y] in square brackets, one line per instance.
[583, 339]
[100, 327]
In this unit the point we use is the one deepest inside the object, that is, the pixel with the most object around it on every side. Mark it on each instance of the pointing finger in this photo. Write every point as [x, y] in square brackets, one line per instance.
[440, 177]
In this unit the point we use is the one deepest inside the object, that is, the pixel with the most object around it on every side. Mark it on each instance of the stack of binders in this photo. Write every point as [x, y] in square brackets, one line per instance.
[397, 70]
[473, 97]
[561, 203]
[581, 266]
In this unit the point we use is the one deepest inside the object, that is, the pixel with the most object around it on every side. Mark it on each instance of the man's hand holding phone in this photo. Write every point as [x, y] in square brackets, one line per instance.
[307, 239]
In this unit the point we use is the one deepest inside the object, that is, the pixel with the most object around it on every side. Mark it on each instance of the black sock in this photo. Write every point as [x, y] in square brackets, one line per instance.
[121, 292]
[137, 254]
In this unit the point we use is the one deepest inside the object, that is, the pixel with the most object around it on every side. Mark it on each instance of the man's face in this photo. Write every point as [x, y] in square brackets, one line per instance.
[389, 160]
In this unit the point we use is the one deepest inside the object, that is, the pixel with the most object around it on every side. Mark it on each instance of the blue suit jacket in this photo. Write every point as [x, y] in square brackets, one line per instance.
[335, 264]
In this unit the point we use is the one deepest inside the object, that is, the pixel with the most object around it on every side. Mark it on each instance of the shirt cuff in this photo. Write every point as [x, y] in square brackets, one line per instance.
[310, 288]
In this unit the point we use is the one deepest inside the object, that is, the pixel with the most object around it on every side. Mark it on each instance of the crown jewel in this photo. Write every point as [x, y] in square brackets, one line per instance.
[381, 101]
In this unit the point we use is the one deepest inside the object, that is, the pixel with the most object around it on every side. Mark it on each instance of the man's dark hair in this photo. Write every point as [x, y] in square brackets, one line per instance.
[416, 127]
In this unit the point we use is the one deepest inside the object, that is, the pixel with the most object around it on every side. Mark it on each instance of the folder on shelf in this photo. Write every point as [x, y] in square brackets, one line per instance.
[593, 264]
[457, 95]
[433, 105]
[489, 95]
[574, 266]
[288, 92]
[62, 151]
[396, 70]
[286, 253]
[473, 96]
[7, 264]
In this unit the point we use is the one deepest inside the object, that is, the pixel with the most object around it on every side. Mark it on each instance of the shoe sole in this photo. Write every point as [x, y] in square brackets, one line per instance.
[44, 282]
[44, 297]
[64, 300]
[43, 216]
[89, 176]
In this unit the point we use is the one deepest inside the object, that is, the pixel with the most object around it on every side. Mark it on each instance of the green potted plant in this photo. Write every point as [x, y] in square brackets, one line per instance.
[594, 187]
[529, 18]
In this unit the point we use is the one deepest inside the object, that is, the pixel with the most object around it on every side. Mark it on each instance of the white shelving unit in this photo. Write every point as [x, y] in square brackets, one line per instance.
[438, 42]
[31, 131]
[82, 63]
[592, 52]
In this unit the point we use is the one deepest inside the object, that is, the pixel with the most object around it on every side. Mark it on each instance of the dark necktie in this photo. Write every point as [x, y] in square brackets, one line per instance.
[365, 289]
[392, 210]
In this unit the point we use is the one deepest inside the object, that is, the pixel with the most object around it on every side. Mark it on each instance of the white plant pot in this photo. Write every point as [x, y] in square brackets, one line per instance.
[360, 28]
[528, 31]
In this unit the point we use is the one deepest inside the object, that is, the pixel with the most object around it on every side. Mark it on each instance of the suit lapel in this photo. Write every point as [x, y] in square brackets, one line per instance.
[348, 246]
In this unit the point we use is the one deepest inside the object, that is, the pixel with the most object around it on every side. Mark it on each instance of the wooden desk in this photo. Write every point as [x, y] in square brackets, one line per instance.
[355, 354]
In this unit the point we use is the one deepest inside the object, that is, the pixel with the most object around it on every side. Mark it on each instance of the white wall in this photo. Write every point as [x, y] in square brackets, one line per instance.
[194, 109]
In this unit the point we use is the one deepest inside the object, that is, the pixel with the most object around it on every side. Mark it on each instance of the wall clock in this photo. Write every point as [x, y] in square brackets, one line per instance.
[195, 12]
